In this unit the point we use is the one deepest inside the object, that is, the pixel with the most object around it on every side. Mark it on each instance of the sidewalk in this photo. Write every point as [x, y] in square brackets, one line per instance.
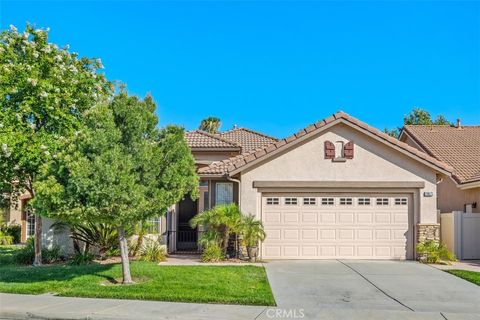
[468, 265]
[13, 306]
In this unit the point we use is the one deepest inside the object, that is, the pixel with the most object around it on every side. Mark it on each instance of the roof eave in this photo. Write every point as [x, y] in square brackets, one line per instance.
[469, 185]
[351, 124]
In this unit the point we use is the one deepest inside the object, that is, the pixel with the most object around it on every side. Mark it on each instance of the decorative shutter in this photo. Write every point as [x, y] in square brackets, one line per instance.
[348, 150]
[329, 150]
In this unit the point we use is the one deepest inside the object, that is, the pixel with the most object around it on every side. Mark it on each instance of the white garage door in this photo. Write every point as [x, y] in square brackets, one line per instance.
[336, 226]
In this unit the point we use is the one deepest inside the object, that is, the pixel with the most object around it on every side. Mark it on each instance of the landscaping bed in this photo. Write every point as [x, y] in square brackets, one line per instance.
[471, 276]
[204, 284]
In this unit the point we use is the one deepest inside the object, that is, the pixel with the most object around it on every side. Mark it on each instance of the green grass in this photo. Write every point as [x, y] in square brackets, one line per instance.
[471, 276]
[204, 284]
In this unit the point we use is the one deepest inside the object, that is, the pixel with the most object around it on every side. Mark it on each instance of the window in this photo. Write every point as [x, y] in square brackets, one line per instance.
[363, 201]
[328, 201]
[310, 201]
[382, 201]
[339, 149]
[346, 201]
[30, 224]
[401, 201]
[273, 201]
[223, 193]
[291, 201]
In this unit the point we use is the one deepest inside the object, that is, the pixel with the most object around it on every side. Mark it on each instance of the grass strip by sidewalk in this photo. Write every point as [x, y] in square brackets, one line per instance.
[471, 276]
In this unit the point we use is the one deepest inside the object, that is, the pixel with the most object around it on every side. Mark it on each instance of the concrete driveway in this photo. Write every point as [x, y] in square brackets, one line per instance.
[370, 285]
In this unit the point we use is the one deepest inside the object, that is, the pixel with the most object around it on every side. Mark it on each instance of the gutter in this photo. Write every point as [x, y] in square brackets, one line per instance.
[239, 189]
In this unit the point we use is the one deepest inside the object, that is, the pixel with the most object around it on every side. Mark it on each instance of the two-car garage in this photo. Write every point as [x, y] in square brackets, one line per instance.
[337, 226]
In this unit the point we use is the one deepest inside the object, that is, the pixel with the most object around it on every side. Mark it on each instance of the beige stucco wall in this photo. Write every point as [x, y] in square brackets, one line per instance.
[451, 198]
[212, 156]
[373, 161]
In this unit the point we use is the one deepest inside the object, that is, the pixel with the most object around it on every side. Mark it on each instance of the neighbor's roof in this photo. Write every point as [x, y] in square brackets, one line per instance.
[236, 164]
[198, 139]
[457, 146]
[247, 138]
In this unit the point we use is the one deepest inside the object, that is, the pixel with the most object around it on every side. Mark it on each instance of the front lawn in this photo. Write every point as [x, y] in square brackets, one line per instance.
[471, 276]
[206, 284]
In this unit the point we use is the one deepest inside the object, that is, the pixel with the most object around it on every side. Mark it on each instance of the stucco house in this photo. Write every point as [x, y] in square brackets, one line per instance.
[458, 146]
[336, 189]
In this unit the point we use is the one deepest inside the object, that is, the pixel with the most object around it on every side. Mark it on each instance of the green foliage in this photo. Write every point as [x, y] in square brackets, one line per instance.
[252, 233]
[119, 170]
[12, 230]
[101, 236]
[81, 258]
[152, 251]
[213, 253]
[422, 117]
[432, 252]
[209, 238]
[44, 90]
[223, 219]
[26, 255]
[395, 132]
[210, 124]
[5, 240]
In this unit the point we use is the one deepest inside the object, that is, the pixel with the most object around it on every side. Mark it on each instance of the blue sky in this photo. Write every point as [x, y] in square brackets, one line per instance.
[277, 66]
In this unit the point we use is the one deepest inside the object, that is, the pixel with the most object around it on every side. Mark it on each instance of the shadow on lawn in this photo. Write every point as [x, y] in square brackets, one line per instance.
[63, 272]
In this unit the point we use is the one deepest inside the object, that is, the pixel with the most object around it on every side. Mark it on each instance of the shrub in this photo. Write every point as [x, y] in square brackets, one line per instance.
[152, 251]
[252, 233]
[26, 255]
[14, 231]
[432, 252]
[212, 253]
[5, 240]
[82, 258]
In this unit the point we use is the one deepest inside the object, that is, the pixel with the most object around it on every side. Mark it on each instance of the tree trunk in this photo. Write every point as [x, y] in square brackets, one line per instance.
[38, 240]
[127, 278]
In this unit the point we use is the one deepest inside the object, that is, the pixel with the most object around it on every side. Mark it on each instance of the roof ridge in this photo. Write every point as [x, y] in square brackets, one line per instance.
[244, 158]
[251, 131]
[213, 136]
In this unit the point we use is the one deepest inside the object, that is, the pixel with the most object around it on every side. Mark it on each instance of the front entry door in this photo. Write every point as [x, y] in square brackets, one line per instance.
[186, 236]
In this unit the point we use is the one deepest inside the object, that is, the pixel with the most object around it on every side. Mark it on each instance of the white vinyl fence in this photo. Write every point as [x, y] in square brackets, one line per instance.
[460, 232]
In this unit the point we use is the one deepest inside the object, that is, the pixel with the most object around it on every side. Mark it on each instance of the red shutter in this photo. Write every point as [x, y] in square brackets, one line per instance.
[329, 150]
[348, 150]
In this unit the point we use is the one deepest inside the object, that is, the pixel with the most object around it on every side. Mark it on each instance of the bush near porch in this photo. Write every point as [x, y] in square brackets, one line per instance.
[204, 284]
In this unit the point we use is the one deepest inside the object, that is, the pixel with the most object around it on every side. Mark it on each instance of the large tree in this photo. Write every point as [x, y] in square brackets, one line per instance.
[120, 169]
[44, 90]
[418, 116]
[210, 124]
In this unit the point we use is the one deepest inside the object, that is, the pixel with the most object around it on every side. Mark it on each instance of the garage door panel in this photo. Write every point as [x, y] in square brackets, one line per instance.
[310, 230]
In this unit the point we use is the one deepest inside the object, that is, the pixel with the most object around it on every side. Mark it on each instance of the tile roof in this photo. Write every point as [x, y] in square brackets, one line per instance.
[457, 146]
[234, 164]
[247, 138]
[198, 139]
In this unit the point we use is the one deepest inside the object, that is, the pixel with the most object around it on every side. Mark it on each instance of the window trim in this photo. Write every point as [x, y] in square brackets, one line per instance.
[402, 201]
[364, 201]
[348, 201]
[325, 201]
[381, 201]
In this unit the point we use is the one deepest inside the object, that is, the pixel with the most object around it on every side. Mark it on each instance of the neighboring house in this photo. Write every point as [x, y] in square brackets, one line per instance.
[17, 214]
[458, 146]
[336, 189]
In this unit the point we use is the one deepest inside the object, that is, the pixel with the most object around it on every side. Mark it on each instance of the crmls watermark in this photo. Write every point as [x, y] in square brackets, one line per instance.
[285, 314]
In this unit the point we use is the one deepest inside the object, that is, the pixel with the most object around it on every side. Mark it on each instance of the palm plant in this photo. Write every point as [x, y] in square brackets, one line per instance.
[99, 235]
[223, 219]
[252, 232]
[210, 125]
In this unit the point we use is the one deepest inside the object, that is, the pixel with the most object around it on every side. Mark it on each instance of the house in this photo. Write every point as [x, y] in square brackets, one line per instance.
[458, 146]
[16, 214]
[336, 189]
